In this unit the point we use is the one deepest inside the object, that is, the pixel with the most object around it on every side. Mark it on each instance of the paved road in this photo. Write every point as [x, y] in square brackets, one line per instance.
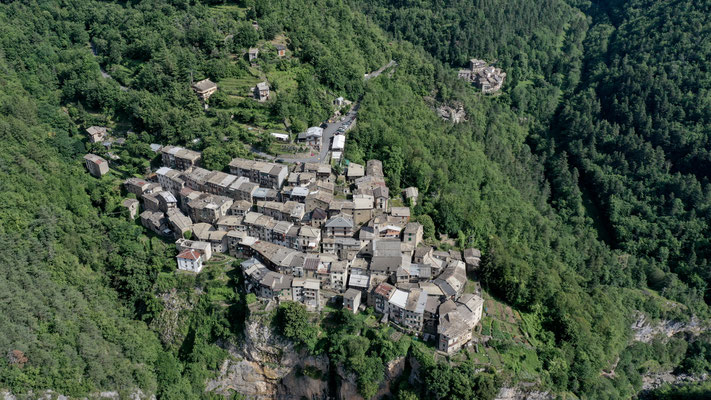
[105, 74]
[331, 129]
[374, 74]
[328, 133]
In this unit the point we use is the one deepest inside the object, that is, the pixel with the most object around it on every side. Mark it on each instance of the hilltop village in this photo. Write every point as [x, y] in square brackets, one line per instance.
[312, 237]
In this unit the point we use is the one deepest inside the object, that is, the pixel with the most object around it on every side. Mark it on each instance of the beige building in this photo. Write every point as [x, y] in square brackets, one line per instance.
[97, 133]
[351, 300]
[456, 322]
[261, 91]
[204, 88]
[96, 165]
[132, 206]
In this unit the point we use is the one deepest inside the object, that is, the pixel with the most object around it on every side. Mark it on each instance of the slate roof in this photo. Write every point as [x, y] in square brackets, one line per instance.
[339, 222]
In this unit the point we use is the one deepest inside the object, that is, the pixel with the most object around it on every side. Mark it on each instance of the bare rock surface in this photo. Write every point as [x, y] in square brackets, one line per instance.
[265, 366]
[454, 113]
[645, 330]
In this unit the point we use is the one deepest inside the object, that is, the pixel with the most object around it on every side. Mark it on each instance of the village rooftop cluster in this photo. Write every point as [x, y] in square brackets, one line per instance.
[310, 236]
[484, 76]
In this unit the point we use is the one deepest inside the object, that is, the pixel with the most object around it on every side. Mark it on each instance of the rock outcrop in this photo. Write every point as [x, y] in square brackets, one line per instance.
[645, 330]
[174, 315]
[52, 395]
[454, 114]
[518, 393]
[265, 366]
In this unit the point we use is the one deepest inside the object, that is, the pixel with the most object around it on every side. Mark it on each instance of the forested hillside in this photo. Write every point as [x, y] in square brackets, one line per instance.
[637, 129]
[59, 308]
[588, 232]
[585, 182]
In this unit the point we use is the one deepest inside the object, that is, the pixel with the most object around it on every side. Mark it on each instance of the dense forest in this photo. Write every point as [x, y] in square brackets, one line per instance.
[585, 182]
[637, 132]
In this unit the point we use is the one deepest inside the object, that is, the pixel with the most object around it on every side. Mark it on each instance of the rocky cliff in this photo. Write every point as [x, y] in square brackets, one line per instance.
[265, 366]
[646, 330]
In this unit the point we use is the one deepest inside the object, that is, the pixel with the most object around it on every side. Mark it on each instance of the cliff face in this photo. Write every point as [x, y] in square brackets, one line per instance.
[645, 330]
[265, 366]
[348, 384]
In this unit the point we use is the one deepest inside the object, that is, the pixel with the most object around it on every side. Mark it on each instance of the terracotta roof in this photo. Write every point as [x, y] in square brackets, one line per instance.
[189, 254]
[384, 290]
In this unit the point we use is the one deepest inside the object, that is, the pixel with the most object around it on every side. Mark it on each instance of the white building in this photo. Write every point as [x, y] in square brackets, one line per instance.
[339, 143]
[190, 260]
[312, 136]
[282, 137]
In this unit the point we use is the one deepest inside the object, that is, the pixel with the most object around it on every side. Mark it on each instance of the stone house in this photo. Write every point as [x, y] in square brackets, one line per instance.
[339, 206]
[363, 208]
[243, 190]
[413, 233]
[96, 165]
[209, 208]
[97, 133]
[136, 186]
[230, 223]
[239, 208]
[218, 241]
[261, 91]
[354, 171]
[219, 183]
[411, 194]
[456, 322]
[267, 175]
[318, 218]
[180, 158]
[166, 201]
[472, 258]
[319, 199]
[155, 221]
[132, 206]
[381, 195]
[179, 222]
[204, 88]
[170, 179]
[400, 214]
[351, 300]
